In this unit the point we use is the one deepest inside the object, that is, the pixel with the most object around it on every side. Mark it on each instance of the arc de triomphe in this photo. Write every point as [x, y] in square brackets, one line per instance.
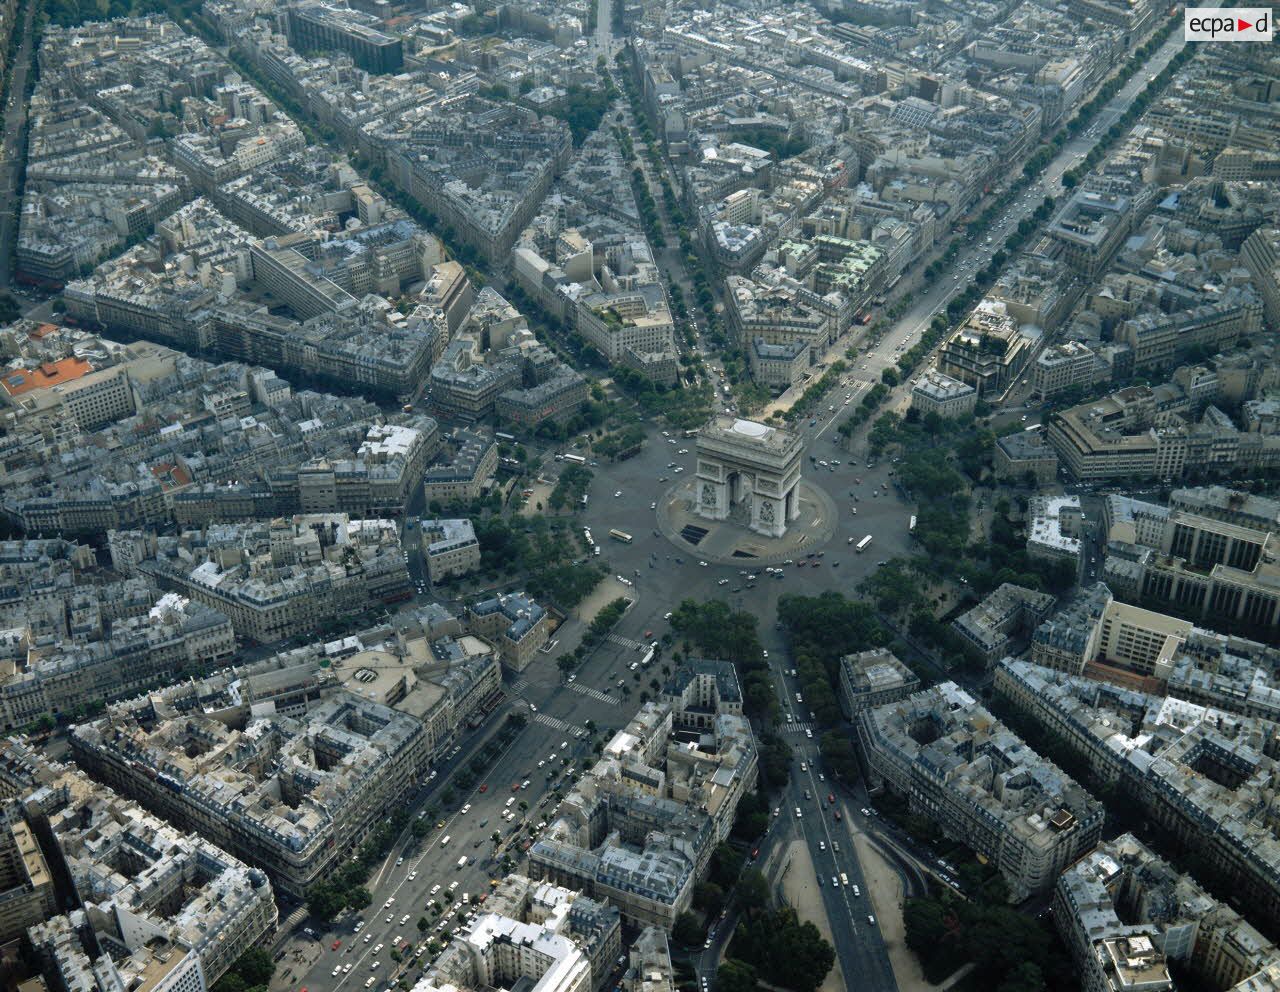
[749, 469]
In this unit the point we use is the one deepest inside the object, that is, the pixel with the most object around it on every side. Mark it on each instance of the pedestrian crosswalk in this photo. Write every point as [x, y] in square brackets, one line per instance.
[796, 728]
[552, 721]
[586, 690]
[519, 685]
[625, 642]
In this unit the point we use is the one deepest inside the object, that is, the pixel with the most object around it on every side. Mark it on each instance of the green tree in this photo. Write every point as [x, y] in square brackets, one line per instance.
[736, 976]
[752, 893]
[686, 931]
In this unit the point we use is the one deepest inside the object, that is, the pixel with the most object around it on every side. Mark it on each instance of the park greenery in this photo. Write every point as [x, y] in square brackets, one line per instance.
[683, 407]
[251, 972]
[1010, 951]
[941, 463]
[571, 486]
[820, 630]
[544, 551]
[783, 950]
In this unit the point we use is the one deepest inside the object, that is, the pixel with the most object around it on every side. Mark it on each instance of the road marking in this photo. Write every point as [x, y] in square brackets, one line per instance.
[625, 642]
[604, 697]
[796, 728]
[520, 685]
[552, 721]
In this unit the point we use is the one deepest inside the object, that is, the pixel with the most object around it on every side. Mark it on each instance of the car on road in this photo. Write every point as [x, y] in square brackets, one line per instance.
[617, 494]
[484, 787]
[335, 945]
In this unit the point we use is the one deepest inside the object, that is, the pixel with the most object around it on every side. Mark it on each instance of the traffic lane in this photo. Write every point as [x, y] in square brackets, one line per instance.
[436, 863]
[859, 944]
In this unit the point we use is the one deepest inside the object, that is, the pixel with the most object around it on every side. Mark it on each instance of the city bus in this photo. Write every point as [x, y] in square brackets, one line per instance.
[620, 535]
[862, 545]
[575, 459]
[693, 432]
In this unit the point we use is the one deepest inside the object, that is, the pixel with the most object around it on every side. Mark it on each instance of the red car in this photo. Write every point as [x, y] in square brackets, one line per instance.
[831, 799]
[485, 787]
[335, 945]
[515, 786]
[648, 634]
[755, 853]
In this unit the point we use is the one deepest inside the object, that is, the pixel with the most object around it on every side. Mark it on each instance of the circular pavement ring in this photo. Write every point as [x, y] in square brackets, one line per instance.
[813, 530]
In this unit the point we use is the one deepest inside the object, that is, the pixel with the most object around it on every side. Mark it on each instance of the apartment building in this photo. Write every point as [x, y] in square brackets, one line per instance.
[1016, 455]
[1159, 340]
[873, 678]
[515, 624]
[280, 579]
[1216, 558]
[638, 320]
[640, 826]
[173, 636]
[1004, 620]
[1125, 913]
[949, 398]
[291, 795]
[450, 547]
[969, 774]
[26, 883]
[465, 466]
[176, 909]
[1260, 254]
[1117, 437]
[779, 366]
[534, 935]
[988, 352]
[1090, 229]
[1055, 524]
[1200, 774]
[556, 399]
[320, 27]
[1062, 366]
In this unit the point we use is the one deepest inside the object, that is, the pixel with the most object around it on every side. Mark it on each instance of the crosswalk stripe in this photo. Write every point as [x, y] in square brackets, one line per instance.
[551, 721]
[796, 728]
[625, 642]
[519, 685]
[594, 694]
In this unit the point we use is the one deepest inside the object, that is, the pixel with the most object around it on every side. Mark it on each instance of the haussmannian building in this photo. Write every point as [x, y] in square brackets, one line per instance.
[292, 796]
[973, 777]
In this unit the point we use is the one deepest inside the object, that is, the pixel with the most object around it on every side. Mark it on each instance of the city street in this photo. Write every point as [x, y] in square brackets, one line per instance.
[15, 123]
[908, 328]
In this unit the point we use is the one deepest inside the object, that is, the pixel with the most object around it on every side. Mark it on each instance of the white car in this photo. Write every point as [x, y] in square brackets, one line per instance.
[378, 949]
[653, 506]
[617, 494]
[703, 564]
[368, 937]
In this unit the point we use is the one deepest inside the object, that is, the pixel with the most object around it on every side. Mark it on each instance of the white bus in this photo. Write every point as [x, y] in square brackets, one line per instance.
[575, 459]
[462, 862]
[862, 545]
[620, 535]
[911, 526]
